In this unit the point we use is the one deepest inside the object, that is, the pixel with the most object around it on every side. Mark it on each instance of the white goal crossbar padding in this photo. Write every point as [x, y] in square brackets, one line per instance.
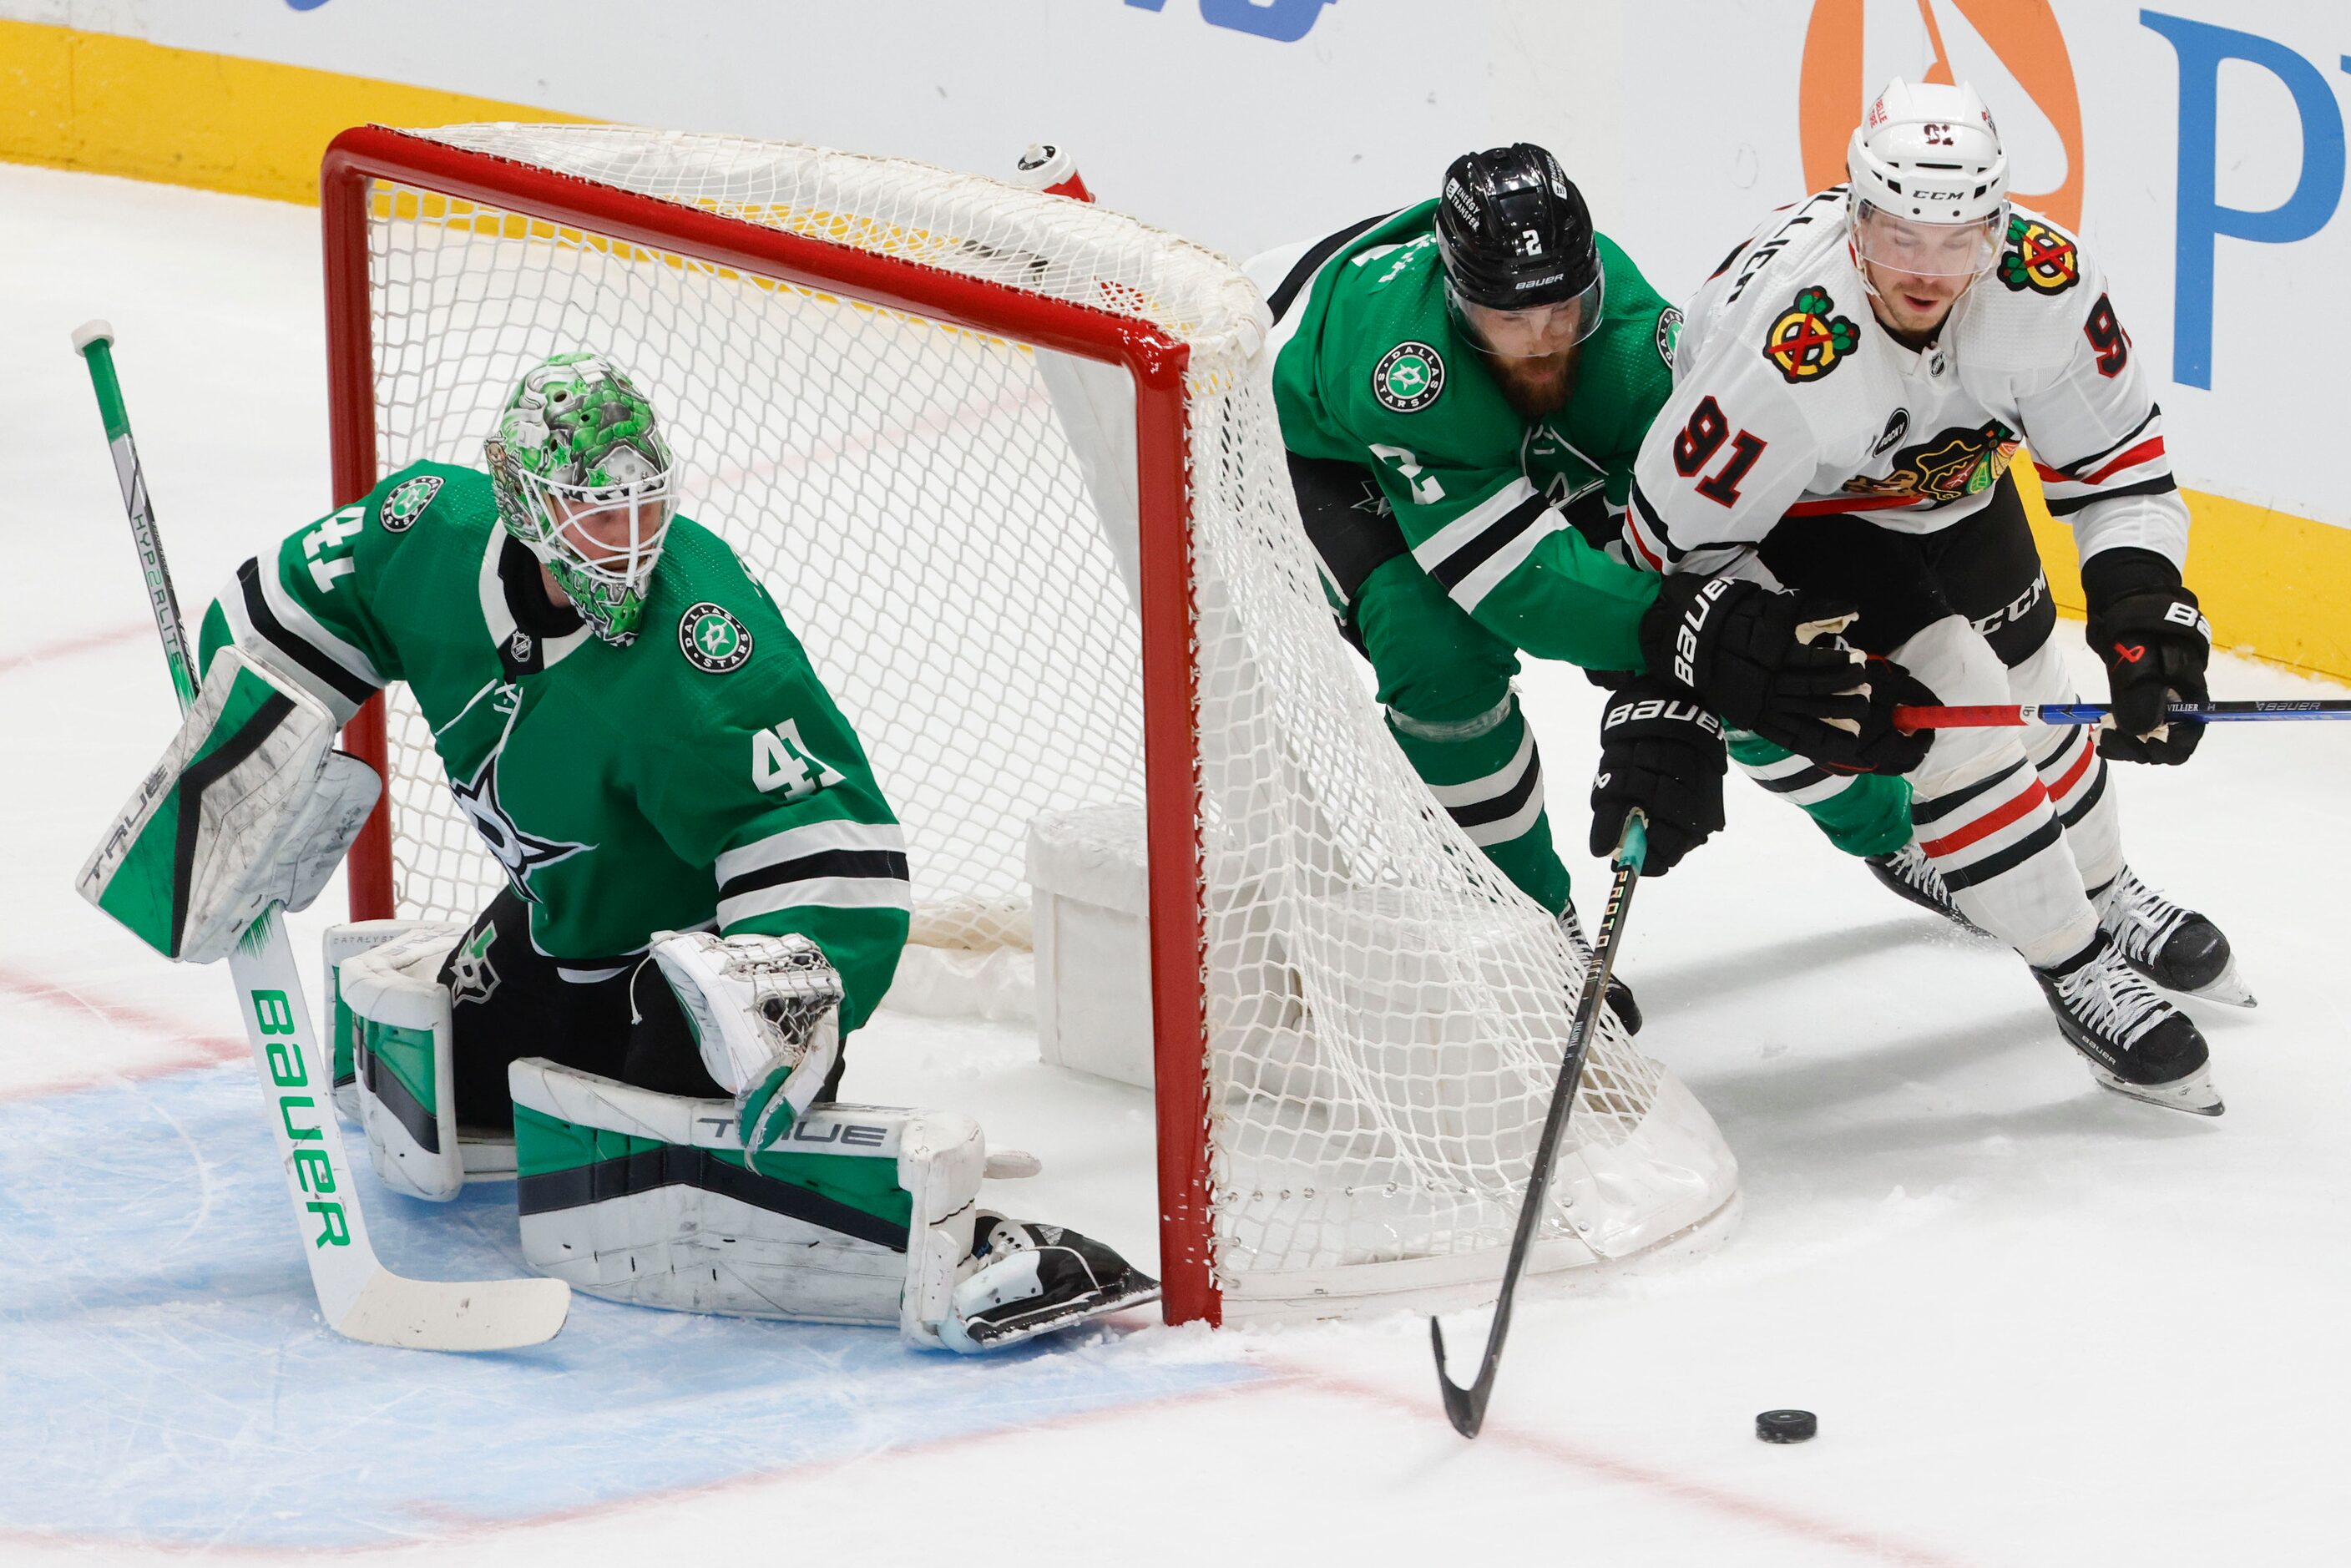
[1356, 1021]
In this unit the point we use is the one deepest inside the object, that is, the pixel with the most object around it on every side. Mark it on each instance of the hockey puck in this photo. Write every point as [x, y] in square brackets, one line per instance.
[1786, 1425]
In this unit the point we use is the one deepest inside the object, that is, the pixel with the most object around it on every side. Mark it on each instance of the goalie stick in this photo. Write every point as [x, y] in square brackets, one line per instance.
[1466, 1407]
[358, 1297]
[1910, 720]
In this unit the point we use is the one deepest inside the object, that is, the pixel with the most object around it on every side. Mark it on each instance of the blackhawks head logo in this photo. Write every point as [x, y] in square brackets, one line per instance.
[1948, 466]
[1807, 342]
[1408, 378]
[2038, 257]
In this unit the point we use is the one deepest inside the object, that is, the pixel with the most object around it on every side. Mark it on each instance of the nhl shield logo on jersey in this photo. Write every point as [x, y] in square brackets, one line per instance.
[1807, 342]
[1408, 378]
[407, 502]
[713, 640]
[2039, 258]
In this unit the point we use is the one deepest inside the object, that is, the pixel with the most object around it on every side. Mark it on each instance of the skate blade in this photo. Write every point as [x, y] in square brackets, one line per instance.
[2193, 1094]
[2229, 988]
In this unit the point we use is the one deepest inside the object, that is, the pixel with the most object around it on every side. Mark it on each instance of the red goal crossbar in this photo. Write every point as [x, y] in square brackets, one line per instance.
[359, 158]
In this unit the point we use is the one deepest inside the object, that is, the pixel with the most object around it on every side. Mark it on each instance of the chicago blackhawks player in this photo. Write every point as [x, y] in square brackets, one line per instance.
[1463, 386]
[674, 798]
[1854, 383]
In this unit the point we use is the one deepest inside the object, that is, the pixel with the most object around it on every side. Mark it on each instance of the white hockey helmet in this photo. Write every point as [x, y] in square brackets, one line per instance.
[1927, 156]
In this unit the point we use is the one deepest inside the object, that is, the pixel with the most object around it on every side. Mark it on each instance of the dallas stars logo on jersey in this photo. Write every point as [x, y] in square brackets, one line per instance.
[408, 501]
[713, 640]
[2038, 257]
[1408, 377]
[1807, 342]
[518, 852]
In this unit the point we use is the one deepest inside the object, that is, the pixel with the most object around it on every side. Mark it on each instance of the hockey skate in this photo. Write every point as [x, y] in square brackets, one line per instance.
[1909, 875]
[2176, 948]
[1620, 995]
[2137, 1043]
[1028, 1279]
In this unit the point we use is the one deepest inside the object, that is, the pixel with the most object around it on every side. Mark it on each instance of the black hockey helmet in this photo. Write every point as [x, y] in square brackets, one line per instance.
[1514, 231]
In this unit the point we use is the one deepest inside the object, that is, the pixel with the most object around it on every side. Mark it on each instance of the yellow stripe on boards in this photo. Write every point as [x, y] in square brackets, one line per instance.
[2272, 584]
[109, 105]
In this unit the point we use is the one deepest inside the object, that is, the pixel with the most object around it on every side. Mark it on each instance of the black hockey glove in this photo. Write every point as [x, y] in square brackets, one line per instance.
[1661, 751]
[2156, 642]
[1767, 662]
[1880, 748]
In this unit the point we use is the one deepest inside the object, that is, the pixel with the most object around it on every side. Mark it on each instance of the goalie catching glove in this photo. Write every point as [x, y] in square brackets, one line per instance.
[766, 1012]
[251, 806]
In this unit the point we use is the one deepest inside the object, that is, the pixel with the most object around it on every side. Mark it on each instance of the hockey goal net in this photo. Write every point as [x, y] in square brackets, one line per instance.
[1357, 1022]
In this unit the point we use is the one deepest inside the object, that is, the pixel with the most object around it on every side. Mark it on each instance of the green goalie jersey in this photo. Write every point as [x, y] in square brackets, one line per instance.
[1372, 370]
[700, 775]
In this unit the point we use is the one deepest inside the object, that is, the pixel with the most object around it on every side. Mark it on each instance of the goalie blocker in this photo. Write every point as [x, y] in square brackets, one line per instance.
[831, 1213]
[250, 806]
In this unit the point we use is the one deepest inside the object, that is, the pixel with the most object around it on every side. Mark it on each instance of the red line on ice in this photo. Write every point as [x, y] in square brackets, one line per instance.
[1874, 1544]
[88, 644]
[194, 1049]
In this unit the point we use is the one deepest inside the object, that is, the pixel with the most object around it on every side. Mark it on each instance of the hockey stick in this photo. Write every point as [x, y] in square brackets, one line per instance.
[1467, 1407]
[1910, 720]
[358, 1295]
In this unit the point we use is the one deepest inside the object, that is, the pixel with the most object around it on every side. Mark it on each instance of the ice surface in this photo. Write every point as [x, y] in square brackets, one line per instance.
[2040, 1324]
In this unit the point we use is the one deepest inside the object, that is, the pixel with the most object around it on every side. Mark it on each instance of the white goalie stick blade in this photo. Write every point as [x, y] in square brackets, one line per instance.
[358, 1297]
[436, 1314]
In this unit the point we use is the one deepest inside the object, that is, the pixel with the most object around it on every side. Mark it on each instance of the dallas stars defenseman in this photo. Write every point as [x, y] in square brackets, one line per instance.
[691, 796]
[1863, 453]
[1463, 386]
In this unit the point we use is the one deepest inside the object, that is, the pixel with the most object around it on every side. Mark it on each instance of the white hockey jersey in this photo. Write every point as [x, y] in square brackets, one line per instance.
[1791, 399]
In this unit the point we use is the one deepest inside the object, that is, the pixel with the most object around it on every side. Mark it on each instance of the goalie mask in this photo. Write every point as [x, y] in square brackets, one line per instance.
[583, 480]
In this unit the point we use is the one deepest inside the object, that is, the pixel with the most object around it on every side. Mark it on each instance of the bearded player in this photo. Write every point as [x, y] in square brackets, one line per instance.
[1463, 387]
[705, 893]
[1854, 383]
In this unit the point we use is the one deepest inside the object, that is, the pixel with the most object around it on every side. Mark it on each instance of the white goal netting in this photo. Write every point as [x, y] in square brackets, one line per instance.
[1385, 1013]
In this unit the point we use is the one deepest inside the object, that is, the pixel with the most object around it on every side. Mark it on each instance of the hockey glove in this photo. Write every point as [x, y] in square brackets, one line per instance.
[1662, 752]
[1768, 662]
[1880, 748]
[764, 1012]
[2155, 642]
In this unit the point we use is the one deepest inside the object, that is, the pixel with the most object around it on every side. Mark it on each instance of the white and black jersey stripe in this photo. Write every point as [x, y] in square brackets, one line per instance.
[835, 864]
[1805, 782]
[2137, 465]
[1502, 805]
[1471, 556]
[2074, 775]
[269, 624]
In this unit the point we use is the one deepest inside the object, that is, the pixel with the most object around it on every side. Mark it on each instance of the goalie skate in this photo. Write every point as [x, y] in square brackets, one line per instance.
[2137, 1044]
[1031, 1279]
[2177, 948]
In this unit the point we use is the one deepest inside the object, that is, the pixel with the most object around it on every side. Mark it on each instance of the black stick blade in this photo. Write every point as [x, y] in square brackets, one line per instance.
[1465, 1407]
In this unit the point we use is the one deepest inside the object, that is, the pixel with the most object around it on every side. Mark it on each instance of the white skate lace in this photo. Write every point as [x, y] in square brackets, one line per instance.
[2139, 918]
[1911, 864]
[2112, 1001]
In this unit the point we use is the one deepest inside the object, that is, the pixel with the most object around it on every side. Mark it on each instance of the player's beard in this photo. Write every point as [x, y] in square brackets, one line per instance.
[1535, 388]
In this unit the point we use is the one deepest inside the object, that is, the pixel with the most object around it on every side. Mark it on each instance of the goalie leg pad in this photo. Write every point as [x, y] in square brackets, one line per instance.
[342, 942]
[401, 1058]
[857, 1214]
[250, 806]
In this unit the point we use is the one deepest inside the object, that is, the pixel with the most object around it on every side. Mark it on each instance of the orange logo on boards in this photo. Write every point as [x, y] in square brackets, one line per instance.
[2022, 33]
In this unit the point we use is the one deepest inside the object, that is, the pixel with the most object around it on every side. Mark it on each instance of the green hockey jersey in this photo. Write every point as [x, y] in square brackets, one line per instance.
[701, 775]
[1372, 371]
